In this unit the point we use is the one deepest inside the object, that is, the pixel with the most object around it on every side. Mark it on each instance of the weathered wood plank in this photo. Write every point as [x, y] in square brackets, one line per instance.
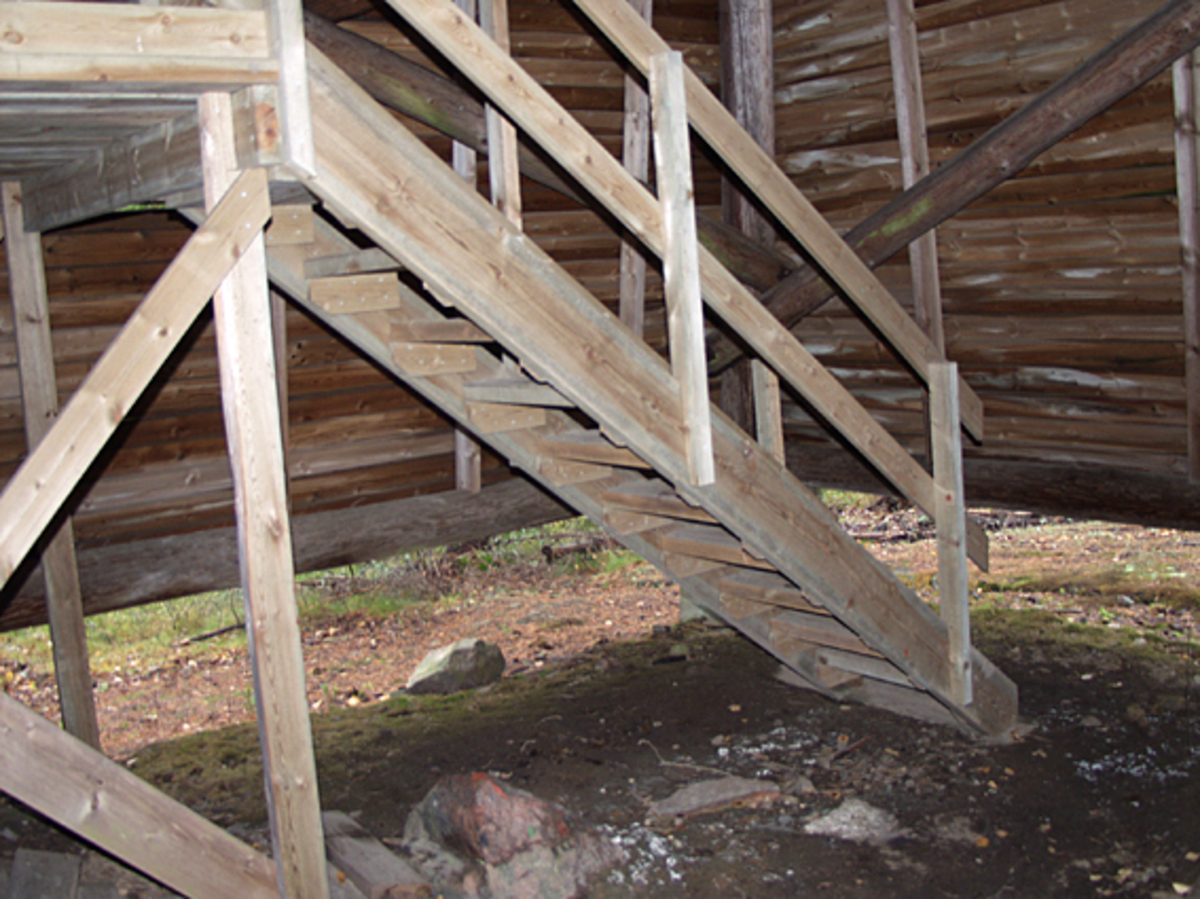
[768, 409]
[953, 587]
[372, 867]
[69, 783]
[493, 418]
[286, 33]
[504, 174]
[350, 294]
[457, 330]
[653, 498]
[357, 262]
[50, 473]
[242, 318]
[681, 261]
[515, 391]
[635, 156]
[1187, 174]
[426, 359]
[39, 404]
[290, 224]
[102, 29]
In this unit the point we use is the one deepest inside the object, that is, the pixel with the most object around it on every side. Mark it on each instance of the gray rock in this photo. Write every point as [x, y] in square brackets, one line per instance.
[857, 821]
[464, 665]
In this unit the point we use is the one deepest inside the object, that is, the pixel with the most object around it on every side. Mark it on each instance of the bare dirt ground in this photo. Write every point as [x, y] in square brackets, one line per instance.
[608, 705]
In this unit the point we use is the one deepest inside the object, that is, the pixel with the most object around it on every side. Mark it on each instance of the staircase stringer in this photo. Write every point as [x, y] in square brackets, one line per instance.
[376, 174]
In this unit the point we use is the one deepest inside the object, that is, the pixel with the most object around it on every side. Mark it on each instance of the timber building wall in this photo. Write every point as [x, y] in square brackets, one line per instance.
[1061, 287]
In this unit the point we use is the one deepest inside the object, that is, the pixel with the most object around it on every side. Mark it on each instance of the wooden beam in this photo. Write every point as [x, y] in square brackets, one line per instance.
[39, 405]
[681, 261]
[349, 294]
[748, 92]
[286, 30]
[635, 156]
[1099, 82]
[44, 481]
[163, 159]
[468, 454]
[242, 319]
[90, 30]
[352, 263]
[757, 171]
[105, 804]
[914, 162]
[953, 587]
[504, 174]
[768, 409]
[1187, 177]
[115, 576]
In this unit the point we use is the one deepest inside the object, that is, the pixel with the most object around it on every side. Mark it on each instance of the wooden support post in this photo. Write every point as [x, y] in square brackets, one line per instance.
[242, 315]
[768, 409]
[286, 21]
[681, 261]
[953, 588]
[635, 156]
[468, 455]
[42, 484]
[914, 162]
[748, 92]
[116, 810]
[914, 165]
[463, 157]
[504, 173]
[39, 402]
[1187, 177]
[280, 345]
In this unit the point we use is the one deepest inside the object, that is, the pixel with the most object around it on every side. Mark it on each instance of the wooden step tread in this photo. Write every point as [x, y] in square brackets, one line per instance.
[705, 542]
[820, 630]
[653, 497]
[589, 446]
[768, 587]
[452, 330]
[515, 391]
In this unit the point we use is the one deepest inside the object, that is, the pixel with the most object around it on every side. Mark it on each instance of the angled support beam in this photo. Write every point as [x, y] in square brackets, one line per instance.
[42, 484]
[681, 262]
[242, 317]
[75, 786]
[535, 111]
[39, 401]
[1187, 177]
[758, 172]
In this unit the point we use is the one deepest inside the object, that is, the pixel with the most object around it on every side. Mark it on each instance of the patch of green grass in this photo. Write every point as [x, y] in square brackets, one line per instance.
[842, 500]
[1106, 585]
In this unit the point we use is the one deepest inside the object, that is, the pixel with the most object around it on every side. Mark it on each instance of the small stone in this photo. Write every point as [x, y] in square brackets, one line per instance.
[460, 666]
[856, 821]
[1090, 721]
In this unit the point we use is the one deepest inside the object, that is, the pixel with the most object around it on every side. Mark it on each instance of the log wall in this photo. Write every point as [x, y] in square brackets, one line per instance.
[1062, 286]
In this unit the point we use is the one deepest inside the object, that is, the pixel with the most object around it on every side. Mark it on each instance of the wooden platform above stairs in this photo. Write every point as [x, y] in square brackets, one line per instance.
[583, 407]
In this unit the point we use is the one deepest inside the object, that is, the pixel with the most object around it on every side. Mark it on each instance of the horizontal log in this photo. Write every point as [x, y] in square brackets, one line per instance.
[1080, 490]
[123, 575]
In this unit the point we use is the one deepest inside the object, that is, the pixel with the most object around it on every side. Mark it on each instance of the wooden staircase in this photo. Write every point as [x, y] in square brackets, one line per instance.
[518, 353]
